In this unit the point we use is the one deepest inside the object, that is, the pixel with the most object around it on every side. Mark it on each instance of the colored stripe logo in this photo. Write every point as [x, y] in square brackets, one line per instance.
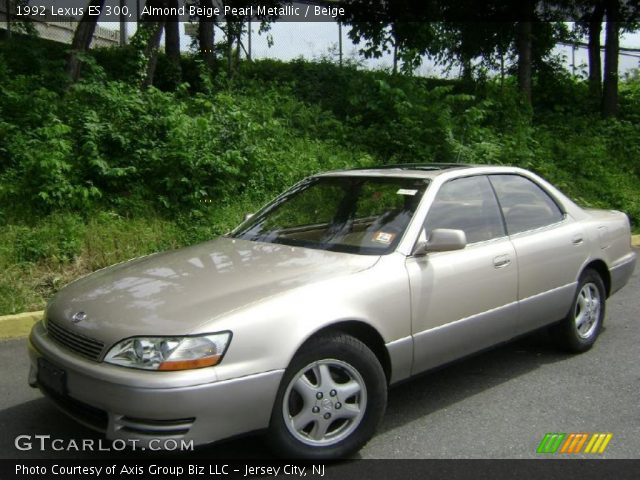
[551, 442]
[596, 443]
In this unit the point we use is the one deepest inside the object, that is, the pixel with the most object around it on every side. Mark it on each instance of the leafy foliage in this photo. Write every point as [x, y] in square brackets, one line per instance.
[98, 172]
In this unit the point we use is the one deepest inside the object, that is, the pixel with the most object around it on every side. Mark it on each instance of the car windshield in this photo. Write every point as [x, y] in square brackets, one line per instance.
[352, 214]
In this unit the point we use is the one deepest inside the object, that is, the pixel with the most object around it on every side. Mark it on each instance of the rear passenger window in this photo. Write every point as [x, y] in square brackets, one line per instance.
[524, 204]
[467, 204]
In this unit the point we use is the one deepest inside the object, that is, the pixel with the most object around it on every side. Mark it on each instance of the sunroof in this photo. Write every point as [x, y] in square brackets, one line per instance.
[417, 166]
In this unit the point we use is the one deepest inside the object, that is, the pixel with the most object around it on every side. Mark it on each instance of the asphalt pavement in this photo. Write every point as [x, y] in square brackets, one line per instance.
[498, 404]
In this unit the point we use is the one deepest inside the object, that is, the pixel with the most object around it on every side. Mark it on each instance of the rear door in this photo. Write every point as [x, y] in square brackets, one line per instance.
[465, 300]
[549, 245]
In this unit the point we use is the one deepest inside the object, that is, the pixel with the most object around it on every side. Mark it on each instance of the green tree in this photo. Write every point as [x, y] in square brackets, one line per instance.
[462, 32]
[147, 39]
[172, 44]
[82, 39]
[206, 36]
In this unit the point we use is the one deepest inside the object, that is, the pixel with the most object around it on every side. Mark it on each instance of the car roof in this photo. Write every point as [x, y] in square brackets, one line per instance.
[428, 171]
[416, 170]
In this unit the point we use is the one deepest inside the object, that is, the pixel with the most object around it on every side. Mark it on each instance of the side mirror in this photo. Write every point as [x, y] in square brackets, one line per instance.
[247, 216]
[441, 240]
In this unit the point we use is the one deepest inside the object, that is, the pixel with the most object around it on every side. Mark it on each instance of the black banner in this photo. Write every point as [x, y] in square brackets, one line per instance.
[290, 470]
[347, 11]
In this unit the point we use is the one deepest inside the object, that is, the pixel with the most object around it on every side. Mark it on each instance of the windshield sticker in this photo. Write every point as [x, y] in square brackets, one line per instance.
[383, 237]
[406, 191]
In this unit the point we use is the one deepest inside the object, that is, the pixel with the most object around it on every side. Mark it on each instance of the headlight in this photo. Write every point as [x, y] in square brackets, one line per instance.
[170, 353]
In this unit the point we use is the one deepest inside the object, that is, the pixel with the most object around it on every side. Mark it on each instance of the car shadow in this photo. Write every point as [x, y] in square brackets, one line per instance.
[440, 388]
[408, 401]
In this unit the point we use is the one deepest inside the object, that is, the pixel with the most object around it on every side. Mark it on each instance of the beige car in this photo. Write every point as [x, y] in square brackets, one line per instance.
[299, 320]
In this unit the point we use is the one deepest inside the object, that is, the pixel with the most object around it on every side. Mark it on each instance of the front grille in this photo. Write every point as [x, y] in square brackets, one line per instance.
[85, 346]
[156, 428]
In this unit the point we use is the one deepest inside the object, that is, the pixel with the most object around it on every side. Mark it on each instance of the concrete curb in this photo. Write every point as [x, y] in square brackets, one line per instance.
[635, 240]
[15, 326]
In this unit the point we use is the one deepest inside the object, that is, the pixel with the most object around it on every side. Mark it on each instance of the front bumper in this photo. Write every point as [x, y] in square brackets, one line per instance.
[132, 404]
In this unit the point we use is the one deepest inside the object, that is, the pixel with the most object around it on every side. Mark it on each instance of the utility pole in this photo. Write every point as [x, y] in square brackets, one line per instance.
[249, 39]
[123, 24]
[340, 42]
[395, 58]
[8, 5]
[395, 49]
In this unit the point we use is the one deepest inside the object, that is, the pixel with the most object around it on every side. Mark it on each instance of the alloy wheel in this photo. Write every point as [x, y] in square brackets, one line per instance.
[587, 312]
[324, 402]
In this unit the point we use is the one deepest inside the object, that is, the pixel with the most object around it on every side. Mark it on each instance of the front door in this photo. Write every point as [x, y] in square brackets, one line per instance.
[465, 300]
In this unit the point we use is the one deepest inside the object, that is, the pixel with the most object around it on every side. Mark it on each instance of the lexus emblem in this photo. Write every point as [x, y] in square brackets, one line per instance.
[78, 317]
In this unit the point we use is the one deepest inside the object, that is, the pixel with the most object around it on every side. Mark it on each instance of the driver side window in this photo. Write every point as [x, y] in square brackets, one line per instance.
[467, 204]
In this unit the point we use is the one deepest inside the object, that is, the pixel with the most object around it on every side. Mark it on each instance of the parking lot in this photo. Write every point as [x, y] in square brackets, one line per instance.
[495, 405]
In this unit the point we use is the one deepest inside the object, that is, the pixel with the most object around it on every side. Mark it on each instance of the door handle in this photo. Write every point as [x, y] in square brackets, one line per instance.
[577, 240]
[501, 261]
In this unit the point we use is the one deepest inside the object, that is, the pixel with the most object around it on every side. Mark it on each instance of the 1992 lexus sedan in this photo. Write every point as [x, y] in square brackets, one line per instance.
[299, 320]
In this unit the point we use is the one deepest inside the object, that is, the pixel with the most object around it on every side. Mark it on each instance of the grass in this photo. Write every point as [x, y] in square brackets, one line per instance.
[38, 259]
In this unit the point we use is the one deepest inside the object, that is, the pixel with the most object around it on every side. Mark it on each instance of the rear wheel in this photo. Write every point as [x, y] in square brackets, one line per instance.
[331, 400]
[580, 329]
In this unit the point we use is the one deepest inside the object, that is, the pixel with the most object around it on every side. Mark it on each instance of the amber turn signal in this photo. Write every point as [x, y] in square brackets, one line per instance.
[190, 364]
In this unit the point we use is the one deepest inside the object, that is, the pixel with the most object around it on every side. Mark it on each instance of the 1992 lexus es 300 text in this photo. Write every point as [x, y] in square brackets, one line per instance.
[298, 321]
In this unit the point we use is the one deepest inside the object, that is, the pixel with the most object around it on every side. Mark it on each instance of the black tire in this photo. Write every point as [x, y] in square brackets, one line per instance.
[347, 364]
[568, 335]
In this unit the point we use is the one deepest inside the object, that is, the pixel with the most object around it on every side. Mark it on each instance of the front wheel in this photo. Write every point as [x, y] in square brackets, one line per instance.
[331, 399]
[580, 329]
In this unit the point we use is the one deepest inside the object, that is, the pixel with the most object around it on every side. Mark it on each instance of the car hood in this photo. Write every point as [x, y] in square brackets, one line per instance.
[172, 293]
